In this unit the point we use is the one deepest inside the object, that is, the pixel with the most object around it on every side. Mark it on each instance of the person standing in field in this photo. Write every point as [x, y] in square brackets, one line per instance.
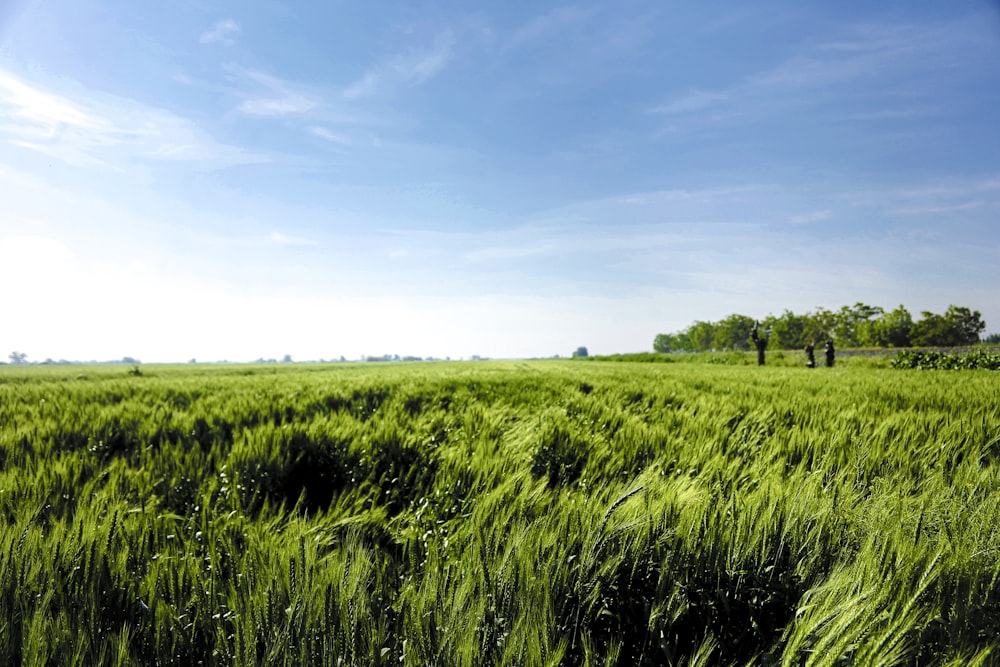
[759, 343]
[829, 353]
[810, 356]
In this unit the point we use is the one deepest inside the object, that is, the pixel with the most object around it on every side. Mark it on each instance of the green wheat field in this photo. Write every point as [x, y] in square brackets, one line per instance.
[499, 513]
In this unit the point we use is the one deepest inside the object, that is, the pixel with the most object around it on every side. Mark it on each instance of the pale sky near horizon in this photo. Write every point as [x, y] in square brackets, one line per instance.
[241, 179]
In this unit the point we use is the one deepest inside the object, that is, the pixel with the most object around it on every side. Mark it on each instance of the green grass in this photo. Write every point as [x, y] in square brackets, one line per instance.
[518, 513]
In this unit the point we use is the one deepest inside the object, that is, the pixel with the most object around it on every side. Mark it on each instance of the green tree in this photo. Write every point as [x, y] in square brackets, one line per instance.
[18, 358]
[891, 330]
[966, 325]
[682, 342]
[850, 319]
[819, 325]
[664, 343]
[788, 332]
[958, 326]
[702, 335]
[733, 332]
[580, 352]
[930, 330]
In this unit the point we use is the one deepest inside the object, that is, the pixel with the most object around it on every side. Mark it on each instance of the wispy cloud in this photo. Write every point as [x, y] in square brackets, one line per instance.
[942, 196]
[51, 124]
[693, 101]
[411, 68]
[40, 108]
[329, 135]
[544, 24]
[281, 239]
[813, 216]
[223, 32]
[920, 111]
[276, 106]
[981, 185]
[97, 130]
[603, 231]
[823, 75]
[280, 99]
[934, 209]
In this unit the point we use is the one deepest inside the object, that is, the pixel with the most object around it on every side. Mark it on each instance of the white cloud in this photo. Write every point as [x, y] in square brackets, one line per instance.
[40, 109]
[540, 26]
[412, 68]
[324, 133]
[886, 114]
[281, 99]
[825, 75]
[942, 196]
[224, 32]
[694, 101]
[365, 86]
[285, 240]
[950, 189]
[813, 216]
[28, 253]
[98, 130]
[64, 152]
[936, 208]
[277, 106]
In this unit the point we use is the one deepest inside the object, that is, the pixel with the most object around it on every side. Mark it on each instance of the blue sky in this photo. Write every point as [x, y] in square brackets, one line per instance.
[234, 180]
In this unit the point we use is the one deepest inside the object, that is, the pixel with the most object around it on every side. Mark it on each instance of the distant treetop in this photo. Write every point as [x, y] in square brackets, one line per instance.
[859, 325]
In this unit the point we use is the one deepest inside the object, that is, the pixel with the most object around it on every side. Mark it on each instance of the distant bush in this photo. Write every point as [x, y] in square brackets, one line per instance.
[645, 357]
[947, 361]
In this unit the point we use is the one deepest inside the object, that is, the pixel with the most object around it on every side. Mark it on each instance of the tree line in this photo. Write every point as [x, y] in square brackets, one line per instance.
[859, 325]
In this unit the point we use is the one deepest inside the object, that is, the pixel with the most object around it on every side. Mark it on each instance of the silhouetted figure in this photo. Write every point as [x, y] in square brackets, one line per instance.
[759, 343]
[810, 356]
[829, 354]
